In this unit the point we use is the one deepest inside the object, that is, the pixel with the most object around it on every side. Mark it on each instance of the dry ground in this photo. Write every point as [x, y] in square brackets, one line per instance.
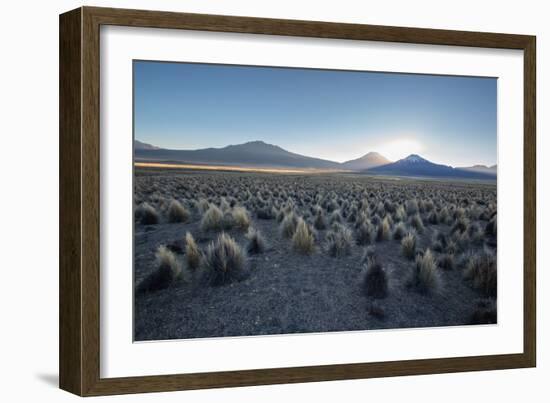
[285, 291]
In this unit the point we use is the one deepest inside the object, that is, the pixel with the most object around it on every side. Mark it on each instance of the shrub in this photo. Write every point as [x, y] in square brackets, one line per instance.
[224, 261]
[146, 214]
[433, 217]
[256, 242]
[452, 247]
[224, 204]
[461, 239]
[444, 216]
[375, 282]
[411, 206]
[491, 228]
[192, 252]
[266, 213]
[212, 219]
[416, 222]
[167, 271]
[437, 247]
[176, 212]
[339, 241]
[384, 230]
[425, 277]
[446, 261]
[228, 221]
[280, 215]
[475, 233]
[320, 222]
[481, 269]
[380, 209]
[336, 217]
[303, 240]
[241, 219]
[203, 205]
[364, 234]
[408, 245]
[288, 225]
[399, 231]
[400, 214]
[460, 225]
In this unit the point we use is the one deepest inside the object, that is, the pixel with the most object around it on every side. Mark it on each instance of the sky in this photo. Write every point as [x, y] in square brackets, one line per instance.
[329, 114]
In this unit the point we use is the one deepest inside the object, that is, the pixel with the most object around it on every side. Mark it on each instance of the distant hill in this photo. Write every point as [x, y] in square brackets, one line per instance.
[415, 165]
[138, 145]
[261, 154]
[254, 153]
[369, 160]
[481, 168]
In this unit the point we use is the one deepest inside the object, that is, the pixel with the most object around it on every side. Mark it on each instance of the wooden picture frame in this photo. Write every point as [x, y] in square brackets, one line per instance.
[79, 346]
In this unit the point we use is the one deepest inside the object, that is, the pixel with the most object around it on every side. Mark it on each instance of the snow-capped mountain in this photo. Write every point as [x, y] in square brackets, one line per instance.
[415, 165]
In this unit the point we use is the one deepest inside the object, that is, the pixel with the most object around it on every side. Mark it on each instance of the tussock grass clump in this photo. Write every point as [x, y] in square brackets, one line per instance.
[364, 233]
[433, 217]
[266, 213]
[416, 222]
[288, 225]
[167, 272]
[303, 240]
[408, 245]
[375, 282]
[228, 221]
[320, 222]
[146, 214]
[399, 231]
[411, 206]
[280, 216]
[224, 261]
[339, 241]
[193, 254]
[452, 247]
[203, 205]
[481, 269]
[475, 234]
[460, 225]
[176, 212]
[444, 216]
[425, 276]
[224, 204]
[212, 219]
[400, 214]
[241, 219]
[446, 261]
[384, 230]
[491, 228]
[256, 242]
[336, 217]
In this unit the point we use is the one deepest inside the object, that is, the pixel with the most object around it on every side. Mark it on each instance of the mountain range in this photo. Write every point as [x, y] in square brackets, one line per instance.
[415, 165]
[261, 154]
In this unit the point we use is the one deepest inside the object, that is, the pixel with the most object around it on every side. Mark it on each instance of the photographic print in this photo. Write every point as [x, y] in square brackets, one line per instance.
[275, 200]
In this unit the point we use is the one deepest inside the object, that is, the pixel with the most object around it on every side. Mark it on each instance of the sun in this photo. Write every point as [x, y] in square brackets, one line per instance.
[399, 148]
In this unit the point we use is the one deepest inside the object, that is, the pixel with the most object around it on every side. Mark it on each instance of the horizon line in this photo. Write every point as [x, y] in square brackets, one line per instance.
[309, 156]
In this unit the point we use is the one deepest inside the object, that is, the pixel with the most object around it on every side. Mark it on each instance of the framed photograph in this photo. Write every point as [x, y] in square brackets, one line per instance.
[248, 201]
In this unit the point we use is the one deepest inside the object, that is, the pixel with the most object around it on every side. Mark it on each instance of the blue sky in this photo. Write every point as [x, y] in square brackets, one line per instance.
[336, 115]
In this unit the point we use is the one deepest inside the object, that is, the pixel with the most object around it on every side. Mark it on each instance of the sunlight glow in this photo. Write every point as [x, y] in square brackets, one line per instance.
[399, 148]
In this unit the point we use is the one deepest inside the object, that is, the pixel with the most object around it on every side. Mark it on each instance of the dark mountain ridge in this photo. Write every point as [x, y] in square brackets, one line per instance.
[261, 154]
